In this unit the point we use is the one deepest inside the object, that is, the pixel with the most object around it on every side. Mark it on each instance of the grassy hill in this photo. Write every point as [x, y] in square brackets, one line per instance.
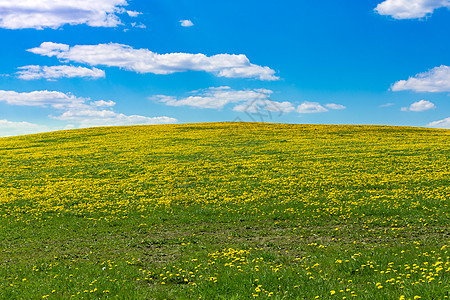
[226, 211]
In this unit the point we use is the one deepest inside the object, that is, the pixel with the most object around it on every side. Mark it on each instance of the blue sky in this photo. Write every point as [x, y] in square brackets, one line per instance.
[74, 64]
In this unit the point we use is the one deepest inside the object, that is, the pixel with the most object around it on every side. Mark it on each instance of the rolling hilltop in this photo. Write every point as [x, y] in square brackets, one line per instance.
[226, 211]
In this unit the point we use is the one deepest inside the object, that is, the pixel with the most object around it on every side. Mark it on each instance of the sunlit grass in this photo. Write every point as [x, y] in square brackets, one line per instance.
[226, 211]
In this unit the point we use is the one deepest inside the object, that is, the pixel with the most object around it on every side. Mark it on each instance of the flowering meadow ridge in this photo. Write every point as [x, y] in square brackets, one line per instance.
[226, 211]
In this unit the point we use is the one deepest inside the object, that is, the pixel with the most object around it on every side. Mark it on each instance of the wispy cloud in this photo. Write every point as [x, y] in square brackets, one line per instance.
[419, 106]
[435, 80]
[260, 104]
[386, 105]
[11, 128]
[56, 72]
[335, 106]
[146, 61]
[136, 25]
[410, 9]
[39, 14]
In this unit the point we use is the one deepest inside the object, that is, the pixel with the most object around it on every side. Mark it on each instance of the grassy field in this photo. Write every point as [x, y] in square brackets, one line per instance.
[226, 211]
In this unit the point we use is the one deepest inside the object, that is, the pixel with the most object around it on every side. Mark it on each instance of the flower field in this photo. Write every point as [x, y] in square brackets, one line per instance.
[226, 211]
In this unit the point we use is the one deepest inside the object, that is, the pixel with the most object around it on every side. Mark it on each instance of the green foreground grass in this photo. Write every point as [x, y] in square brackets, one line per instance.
[226, 211]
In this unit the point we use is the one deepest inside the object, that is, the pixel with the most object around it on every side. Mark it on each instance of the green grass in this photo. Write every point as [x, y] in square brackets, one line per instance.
[226, 211]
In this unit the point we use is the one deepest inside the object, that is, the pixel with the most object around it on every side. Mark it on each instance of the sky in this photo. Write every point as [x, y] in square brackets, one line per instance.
[70, 64]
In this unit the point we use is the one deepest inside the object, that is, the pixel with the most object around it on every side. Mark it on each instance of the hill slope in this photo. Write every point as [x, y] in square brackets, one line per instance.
[231, 210]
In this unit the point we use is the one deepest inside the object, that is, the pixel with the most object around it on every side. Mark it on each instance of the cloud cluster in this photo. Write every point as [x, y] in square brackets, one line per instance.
[92, 118]
[56, 72]
[410, 9]
[419, 106]
[146, 61]
[248, 100]
[39, 14]
[83, 111]
[435, 80]
[215, 97]
[218, 97]
[445, 123]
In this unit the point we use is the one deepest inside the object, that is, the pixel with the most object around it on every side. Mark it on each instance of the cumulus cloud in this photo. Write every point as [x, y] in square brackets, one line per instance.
[133, 13]
[39, 14]
[56, 72]
[83, 111]
[315, 107]
[146, 61]
[410, 9]
[53, 99]
[418, 106]
[310, 107]
[186, 23]
[445, 123]
[435, 80]
[10, 128]
[218, 97]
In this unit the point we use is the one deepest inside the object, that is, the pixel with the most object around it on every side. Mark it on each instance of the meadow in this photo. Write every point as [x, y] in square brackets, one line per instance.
[226, 211]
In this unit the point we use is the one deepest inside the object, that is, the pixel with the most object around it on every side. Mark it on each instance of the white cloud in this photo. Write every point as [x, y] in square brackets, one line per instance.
[435, 80]
[39, 14]
[214, 97]
[335, 106]
[250, 101]
[10, 128]
[95, 118]
[259, 105]
[146, 61]
[55, 72]
[103, 103]
[418, 106]
[386, 105]
[310, 107]
[136, 25]
[40, 98]
[186, 23]
[83, 111]
[445, 123]
[94, 113]
[218, 97]
[410, 9]
[133, 14]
